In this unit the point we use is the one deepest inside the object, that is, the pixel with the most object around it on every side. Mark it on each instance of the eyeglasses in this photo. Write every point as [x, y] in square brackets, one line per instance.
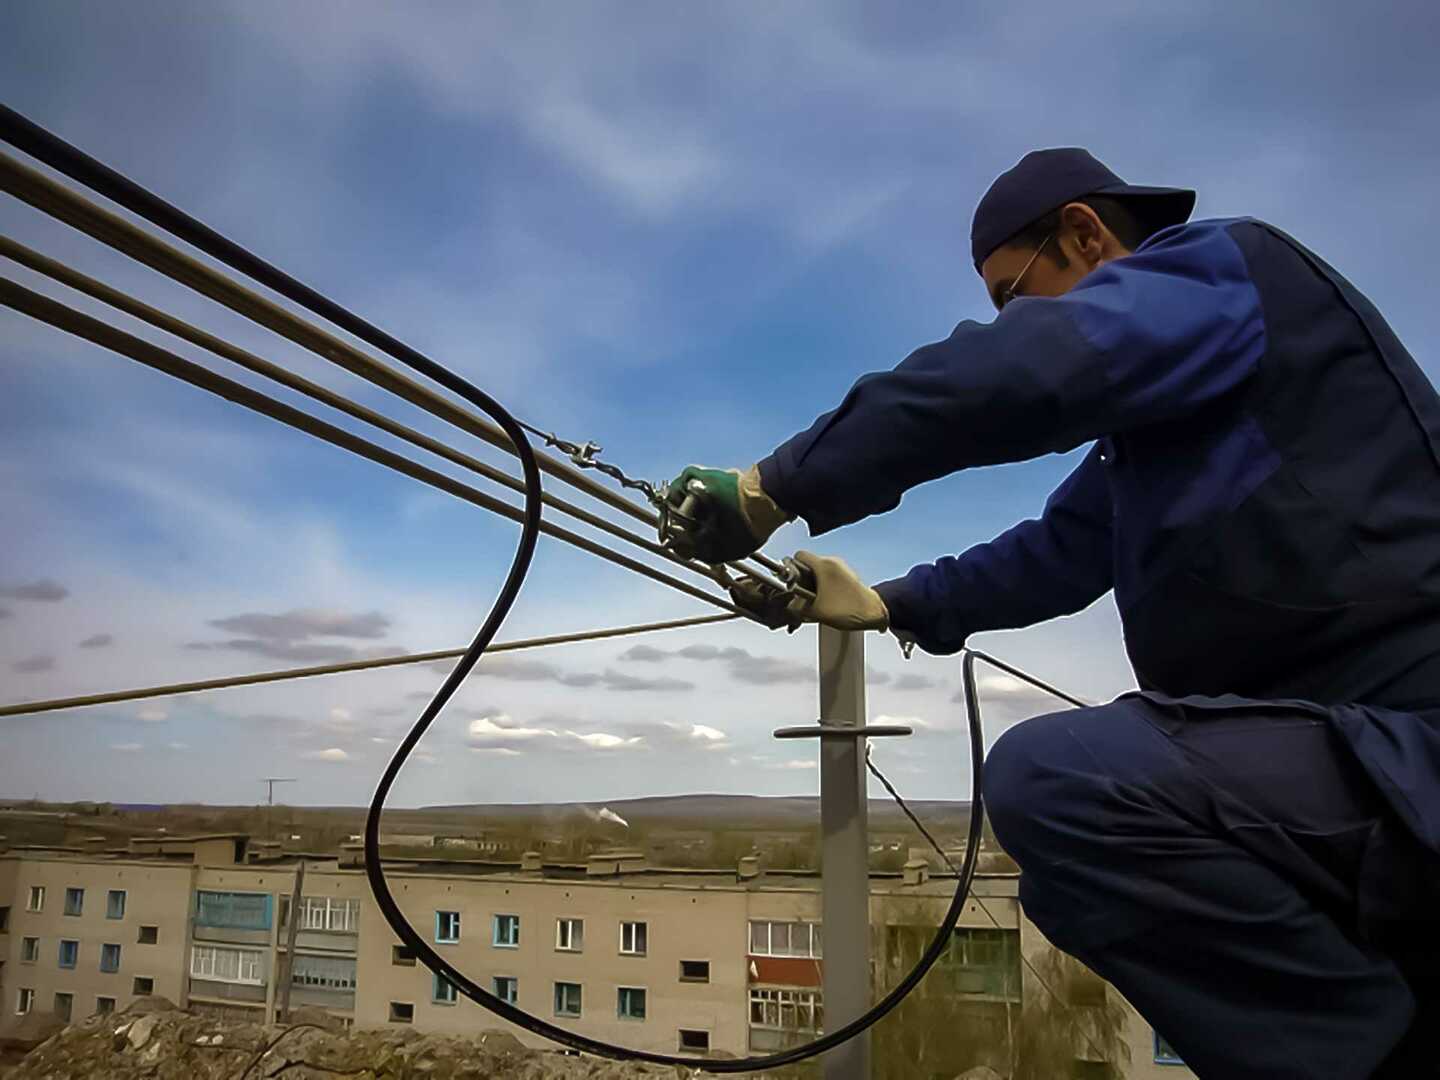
[1008, 293]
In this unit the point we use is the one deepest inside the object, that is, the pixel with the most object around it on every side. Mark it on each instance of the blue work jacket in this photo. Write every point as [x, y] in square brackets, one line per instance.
[1262, 495]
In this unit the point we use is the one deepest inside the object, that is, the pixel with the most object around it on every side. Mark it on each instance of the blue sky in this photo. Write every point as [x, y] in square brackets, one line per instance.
[682, 233]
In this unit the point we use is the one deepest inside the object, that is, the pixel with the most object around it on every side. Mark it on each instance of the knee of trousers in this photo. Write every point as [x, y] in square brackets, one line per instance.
[1048, 797]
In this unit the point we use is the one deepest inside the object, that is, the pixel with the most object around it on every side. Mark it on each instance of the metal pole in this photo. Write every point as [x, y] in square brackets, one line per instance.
[287, 962]
[845, 888]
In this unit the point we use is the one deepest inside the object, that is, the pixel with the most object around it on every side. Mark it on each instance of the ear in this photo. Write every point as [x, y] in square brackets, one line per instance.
[1084, 236]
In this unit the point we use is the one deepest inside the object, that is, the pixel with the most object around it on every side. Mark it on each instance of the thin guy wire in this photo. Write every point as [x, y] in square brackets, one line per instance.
[37, 189]
[26, 708]
[57, 271]
[65, 318]
[899, 801]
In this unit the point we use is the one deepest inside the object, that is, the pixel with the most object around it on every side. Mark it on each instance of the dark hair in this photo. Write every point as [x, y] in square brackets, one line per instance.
[1117, 214]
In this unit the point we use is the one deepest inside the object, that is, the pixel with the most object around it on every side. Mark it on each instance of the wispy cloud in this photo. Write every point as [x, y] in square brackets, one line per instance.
[127, 747]
[301, 625]
[911, 680]
[333, 755]
[742, 665]
[32, 665]
[515, 670]
[44, 591]
[152, 716]
[97, 641]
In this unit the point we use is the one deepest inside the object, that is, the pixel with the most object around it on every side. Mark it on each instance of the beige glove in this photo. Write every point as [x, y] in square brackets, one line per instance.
[842, 600]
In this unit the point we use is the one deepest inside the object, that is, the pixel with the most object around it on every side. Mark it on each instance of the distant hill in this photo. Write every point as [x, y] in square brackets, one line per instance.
[724, 811]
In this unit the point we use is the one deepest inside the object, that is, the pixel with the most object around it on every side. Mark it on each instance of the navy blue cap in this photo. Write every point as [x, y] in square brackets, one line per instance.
[1047, 179]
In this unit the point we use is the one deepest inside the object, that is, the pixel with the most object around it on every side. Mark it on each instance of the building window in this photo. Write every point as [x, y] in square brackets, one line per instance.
[442, 990]
[1165, 1053]
[693, 1041]
[567, 999]
[324, 913]
[234, 911]
[115, 904]
[633, 938]
[506, 932]
[447, 927]
[69, 953]
[402, 956]
[787, 1010]
[697, 971]
[223, 964]
[631, 1003]
[24, 1001]
[74, 901]
[506, 988]
[769, 938]
[104, 1005]
[323, 972]
[569, 935]
[149, 935]
[142, 985]
[64, 1005]
[110, 958]
[4, 920]
[402, 1012]
[36, 902]
[29, 950]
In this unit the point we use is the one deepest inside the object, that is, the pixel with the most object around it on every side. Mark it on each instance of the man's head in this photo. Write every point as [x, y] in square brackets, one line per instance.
[1058, 215]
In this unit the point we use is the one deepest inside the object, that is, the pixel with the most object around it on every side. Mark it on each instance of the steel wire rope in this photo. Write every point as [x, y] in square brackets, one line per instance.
[34, 140]
[98, 290]
[114, 697]
[56, 314]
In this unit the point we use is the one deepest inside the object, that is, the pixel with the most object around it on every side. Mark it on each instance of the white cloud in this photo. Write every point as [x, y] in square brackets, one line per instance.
[499, 727]
[497, 751]
[795, 763]
[707, 733]
[152, 716]
[177, 746]
[333, 754]
[127, 747]
[600, 740]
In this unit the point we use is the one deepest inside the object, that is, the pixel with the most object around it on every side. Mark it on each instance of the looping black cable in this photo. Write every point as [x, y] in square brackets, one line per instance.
[80, 167]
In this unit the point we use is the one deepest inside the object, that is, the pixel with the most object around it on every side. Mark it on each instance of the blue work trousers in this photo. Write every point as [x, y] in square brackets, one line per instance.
[1231, 868]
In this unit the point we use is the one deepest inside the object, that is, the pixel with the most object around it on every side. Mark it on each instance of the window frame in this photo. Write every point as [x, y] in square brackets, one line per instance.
[401, 955]
[328, 914]
[442, 990]
[68, 1012]
[228, 919]
[30, 946]
[447, 920]
[694, 978]
[640, 938]
[776, 1001]
[78, 893]
[104, 951]
[814, 941]
[136, 980]
[513, 982]
[579, 989]
[392, 1016]
[24, 1000]
[621, 992]
[154, 936]
[680, 1034]
[101, 1008]
[74, 954]
[244, 957]
[110, 896]
[496, 921]
[35, 902]
[347, 983]
[573, 939]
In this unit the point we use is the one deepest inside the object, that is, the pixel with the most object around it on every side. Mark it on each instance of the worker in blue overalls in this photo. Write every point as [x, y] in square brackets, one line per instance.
[1248, 847]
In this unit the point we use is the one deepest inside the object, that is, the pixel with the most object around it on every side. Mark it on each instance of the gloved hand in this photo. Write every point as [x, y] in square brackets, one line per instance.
[842, 600]
[732, 515]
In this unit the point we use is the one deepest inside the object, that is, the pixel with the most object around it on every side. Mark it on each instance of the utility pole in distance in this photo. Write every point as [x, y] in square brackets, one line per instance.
[270, 782]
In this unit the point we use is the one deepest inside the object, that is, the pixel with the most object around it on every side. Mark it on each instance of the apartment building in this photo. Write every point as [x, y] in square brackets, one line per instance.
[677, 961]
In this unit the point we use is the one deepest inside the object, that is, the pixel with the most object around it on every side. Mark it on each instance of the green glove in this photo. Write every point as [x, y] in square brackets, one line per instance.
[730, 515]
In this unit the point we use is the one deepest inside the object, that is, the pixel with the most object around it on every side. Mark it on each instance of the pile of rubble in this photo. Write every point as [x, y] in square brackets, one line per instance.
[154, 1040]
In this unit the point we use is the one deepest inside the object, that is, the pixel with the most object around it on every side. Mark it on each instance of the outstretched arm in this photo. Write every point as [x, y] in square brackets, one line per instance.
[1142, 340]
[1055, 565]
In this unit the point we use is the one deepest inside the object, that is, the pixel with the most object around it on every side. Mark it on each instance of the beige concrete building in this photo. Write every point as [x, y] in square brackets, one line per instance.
[702, 962]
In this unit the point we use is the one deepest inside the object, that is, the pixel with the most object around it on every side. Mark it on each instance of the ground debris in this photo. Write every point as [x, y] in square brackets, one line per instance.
[177, 1045]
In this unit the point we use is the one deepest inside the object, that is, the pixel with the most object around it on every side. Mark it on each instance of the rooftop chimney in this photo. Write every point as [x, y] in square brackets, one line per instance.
[749, 867]
[352, 856]
[916, 871]
[531, 861]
